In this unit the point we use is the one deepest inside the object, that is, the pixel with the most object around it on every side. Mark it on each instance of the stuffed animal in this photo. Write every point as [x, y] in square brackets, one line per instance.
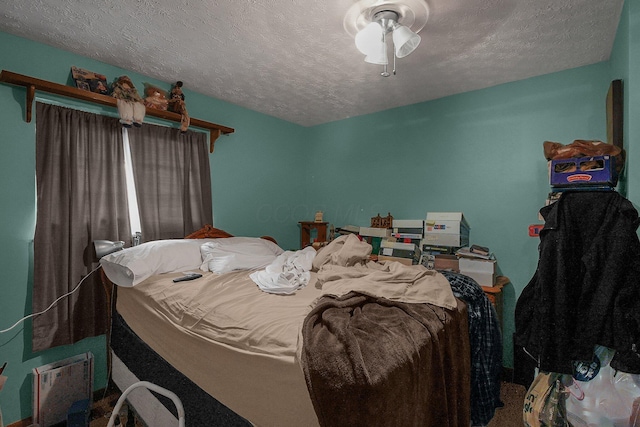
[155, 97]
[177, 105]
[129, 103]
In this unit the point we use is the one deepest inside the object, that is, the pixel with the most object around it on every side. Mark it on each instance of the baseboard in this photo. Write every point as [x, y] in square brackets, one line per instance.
[22, 423]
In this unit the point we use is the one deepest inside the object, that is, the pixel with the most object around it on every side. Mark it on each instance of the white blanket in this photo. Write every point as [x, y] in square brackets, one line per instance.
[289, 272]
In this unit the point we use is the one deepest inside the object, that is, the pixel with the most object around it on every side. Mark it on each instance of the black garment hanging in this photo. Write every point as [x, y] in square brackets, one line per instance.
[586, 289]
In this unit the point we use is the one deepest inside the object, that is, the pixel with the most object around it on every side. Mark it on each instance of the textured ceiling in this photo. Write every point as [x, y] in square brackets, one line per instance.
[295, 60]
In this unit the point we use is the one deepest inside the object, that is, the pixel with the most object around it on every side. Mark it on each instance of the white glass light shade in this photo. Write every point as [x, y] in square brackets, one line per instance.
[369, 38]
[405, 41]
[380, 60]
[379, 55]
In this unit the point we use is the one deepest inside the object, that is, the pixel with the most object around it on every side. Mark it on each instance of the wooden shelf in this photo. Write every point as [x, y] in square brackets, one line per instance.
[305, 232]
[32, 84]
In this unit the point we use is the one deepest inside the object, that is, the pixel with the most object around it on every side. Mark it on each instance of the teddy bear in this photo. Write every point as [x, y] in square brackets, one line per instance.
[177, 105]
[129, 103]
[155, 98]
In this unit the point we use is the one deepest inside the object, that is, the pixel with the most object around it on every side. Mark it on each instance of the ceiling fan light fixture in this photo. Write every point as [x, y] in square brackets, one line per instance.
[405, 41]
[370, 21]
[379, 58]
[368, 39]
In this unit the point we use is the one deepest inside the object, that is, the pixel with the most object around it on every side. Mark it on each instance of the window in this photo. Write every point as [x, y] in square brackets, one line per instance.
[83, 194]
[134, 213]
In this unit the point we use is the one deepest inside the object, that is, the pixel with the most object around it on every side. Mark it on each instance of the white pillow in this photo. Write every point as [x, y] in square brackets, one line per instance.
[133, 265]
[238, 253]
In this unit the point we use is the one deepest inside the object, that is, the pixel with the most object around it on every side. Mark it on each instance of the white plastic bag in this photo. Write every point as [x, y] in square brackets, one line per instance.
[608, 396]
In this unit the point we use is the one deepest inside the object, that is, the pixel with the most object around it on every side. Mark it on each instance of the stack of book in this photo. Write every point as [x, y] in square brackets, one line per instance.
[373, 236]
[408, 230]
[405, 253]
[438, 250]
[478, 263]
[374, 232]
[444, 234]
[348, 229]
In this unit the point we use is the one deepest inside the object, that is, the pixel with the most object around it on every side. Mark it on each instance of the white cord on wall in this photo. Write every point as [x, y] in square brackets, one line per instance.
[52, 304]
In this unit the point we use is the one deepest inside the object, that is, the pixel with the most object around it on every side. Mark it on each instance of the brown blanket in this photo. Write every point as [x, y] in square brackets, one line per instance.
[370, 361]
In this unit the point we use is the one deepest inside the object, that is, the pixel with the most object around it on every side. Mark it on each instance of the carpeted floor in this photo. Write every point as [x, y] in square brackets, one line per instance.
[510, 415]
[102, 409]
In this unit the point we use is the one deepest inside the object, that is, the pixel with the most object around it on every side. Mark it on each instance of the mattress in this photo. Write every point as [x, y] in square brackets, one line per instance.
[234, 341]
[243, 346]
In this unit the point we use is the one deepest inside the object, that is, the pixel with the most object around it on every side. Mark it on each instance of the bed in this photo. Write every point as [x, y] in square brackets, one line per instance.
[352, 342]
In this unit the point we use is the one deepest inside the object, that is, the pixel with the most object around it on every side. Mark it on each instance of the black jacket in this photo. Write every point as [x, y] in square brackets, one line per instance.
[586, 289]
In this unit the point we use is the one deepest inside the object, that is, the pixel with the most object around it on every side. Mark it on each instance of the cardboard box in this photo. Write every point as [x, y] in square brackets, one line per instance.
[447, 262]
[440, 262]
[446, 229]
[57, 386]
[480, 270]
[411, 228]
[583, 171]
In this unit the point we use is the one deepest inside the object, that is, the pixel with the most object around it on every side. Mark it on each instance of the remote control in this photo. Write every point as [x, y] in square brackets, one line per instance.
[190, 276]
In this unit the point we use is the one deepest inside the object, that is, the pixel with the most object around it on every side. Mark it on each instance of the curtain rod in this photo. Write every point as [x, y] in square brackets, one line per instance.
[32, 84]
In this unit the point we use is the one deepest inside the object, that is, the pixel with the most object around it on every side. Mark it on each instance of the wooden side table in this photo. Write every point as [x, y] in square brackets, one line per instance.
[305, 232]
[494, 293]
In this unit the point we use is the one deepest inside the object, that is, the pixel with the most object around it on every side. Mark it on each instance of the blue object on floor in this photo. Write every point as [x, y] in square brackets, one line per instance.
[78, 414]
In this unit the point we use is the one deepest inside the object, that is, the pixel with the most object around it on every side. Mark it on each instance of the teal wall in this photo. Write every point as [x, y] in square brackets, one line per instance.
[478, 152]
[626, 65]
[256, 185]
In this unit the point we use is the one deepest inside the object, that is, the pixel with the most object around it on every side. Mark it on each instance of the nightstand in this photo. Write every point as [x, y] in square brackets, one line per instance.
[494, 293]
[305, 232]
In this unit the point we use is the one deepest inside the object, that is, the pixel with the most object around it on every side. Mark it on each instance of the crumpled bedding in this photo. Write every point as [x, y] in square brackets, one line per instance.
[343, 266]
[375, 352]
[289, 272]
[424, 382]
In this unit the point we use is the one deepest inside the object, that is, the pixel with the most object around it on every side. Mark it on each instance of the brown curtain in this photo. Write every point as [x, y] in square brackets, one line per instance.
[81, 197]
[173, 182]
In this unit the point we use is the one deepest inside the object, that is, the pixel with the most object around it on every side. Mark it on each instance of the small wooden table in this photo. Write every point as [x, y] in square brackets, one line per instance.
[305, 232]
